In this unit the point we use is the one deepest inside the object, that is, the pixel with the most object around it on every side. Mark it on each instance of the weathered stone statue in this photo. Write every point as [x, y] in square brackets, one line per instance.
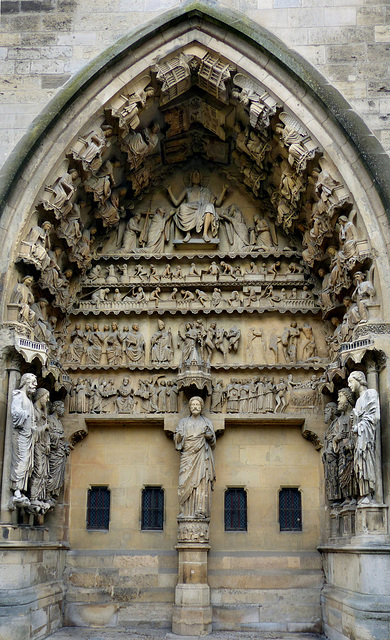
[365, 420]
[196, 208]
[330, 454]
[40, 473]
[161, 345]
[59, 449]
[195, 439]
[23, 438]
[344, 446]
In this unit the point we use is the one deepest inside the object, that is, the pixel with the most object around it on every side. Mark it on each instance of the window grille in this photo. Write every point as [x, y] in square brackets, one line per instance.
[235, 510]
[152, 509]
[98, 508]
[290, 510]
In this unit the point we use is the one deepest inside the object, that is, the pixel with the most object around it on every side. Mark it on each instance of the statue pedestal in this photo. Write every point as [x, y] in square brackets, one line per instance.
[192, 613]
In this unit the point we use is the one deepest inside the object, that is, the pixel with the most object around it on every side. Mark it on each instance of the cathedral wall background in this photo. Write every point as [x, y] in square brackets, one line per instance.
[43, 43]
[253, 575]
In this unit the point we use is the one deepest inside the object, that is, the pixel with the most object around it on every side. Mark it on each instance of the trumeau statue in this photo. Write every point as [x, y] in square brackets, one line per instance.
[365, 421]
[195, 439]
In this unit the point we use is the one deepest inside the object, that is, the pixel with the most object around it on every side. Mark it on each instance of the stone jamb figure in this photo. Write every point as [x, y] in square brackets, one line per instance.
[330, 454]
[59, 449]
[344, 445]
[195, 439]
[365, 422]
[23, 438]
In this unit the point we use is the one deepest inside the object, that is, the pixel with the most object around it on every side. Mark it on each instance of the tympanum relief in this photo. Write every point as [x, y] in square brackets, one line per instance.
[194, 225]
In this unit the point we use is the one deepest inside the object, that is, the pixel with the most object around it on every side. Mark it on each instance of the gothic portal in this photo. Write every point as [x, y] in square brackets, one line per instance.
[194, 264]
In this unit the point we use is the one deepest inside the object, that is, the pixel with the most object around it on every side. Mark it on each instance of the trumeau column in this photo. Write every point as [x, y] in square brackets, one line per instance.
[8, 516]
[195, 439]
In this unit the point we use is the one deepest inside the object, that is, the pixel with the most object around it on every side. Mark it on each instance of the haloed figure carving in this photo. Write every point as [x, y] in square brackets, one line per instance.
[195, 439]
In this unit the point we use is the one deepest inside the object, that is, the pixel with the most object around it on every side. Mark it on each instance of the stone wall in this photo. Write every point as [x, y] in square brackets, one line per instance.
[44, 42]
[31, 590]
[123, 574]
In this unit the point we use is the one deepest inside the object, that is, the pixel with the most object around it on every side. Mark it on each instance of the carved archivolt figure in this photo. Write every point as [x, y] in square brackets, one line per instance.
[195, 439]
[24, 297]
[161, 345]
[23, 438]
[141, 144]
[196, 208]
[59, 449]
[128, 113]
[365, 419]
[37, 244]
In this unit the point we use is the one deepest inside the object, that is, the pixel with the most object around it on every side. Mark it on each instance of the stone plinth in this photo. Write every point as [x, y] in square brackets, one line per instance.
[367, 520]
[192, 613]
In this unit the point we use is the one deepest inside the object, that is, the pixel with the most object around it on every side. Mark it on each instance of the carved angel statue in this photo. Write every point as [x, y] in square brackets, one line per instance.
[260, 104]
[365, 421]
[195, 439]
[197, 208]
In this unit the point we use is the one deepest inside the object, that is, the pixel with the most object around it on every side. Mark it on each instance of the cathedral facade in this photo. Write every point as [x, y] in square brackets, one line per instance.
[194, 390]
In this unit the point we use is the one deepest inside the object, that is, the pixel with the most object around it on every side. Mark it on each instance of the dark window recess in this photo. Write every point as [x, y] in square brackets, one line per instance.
[98, 508]
[152, 509]
[235, 510]
[290, 510]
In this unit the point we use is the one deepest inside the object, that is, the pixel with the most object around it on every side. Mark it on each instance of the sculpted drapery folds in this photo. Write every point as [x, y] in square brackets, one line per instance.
[195, 439]
[365, 416]
[196, 209]
[23, 437]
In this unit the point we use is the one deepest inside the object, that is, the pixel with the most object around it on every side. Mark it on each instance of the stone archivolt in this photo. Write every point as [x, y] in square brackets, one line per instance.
[193, 194]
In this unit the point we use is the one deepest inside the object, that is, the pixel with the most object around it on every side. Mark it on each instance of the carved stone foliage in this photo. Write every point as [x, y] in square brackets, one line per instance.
[39, 448]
